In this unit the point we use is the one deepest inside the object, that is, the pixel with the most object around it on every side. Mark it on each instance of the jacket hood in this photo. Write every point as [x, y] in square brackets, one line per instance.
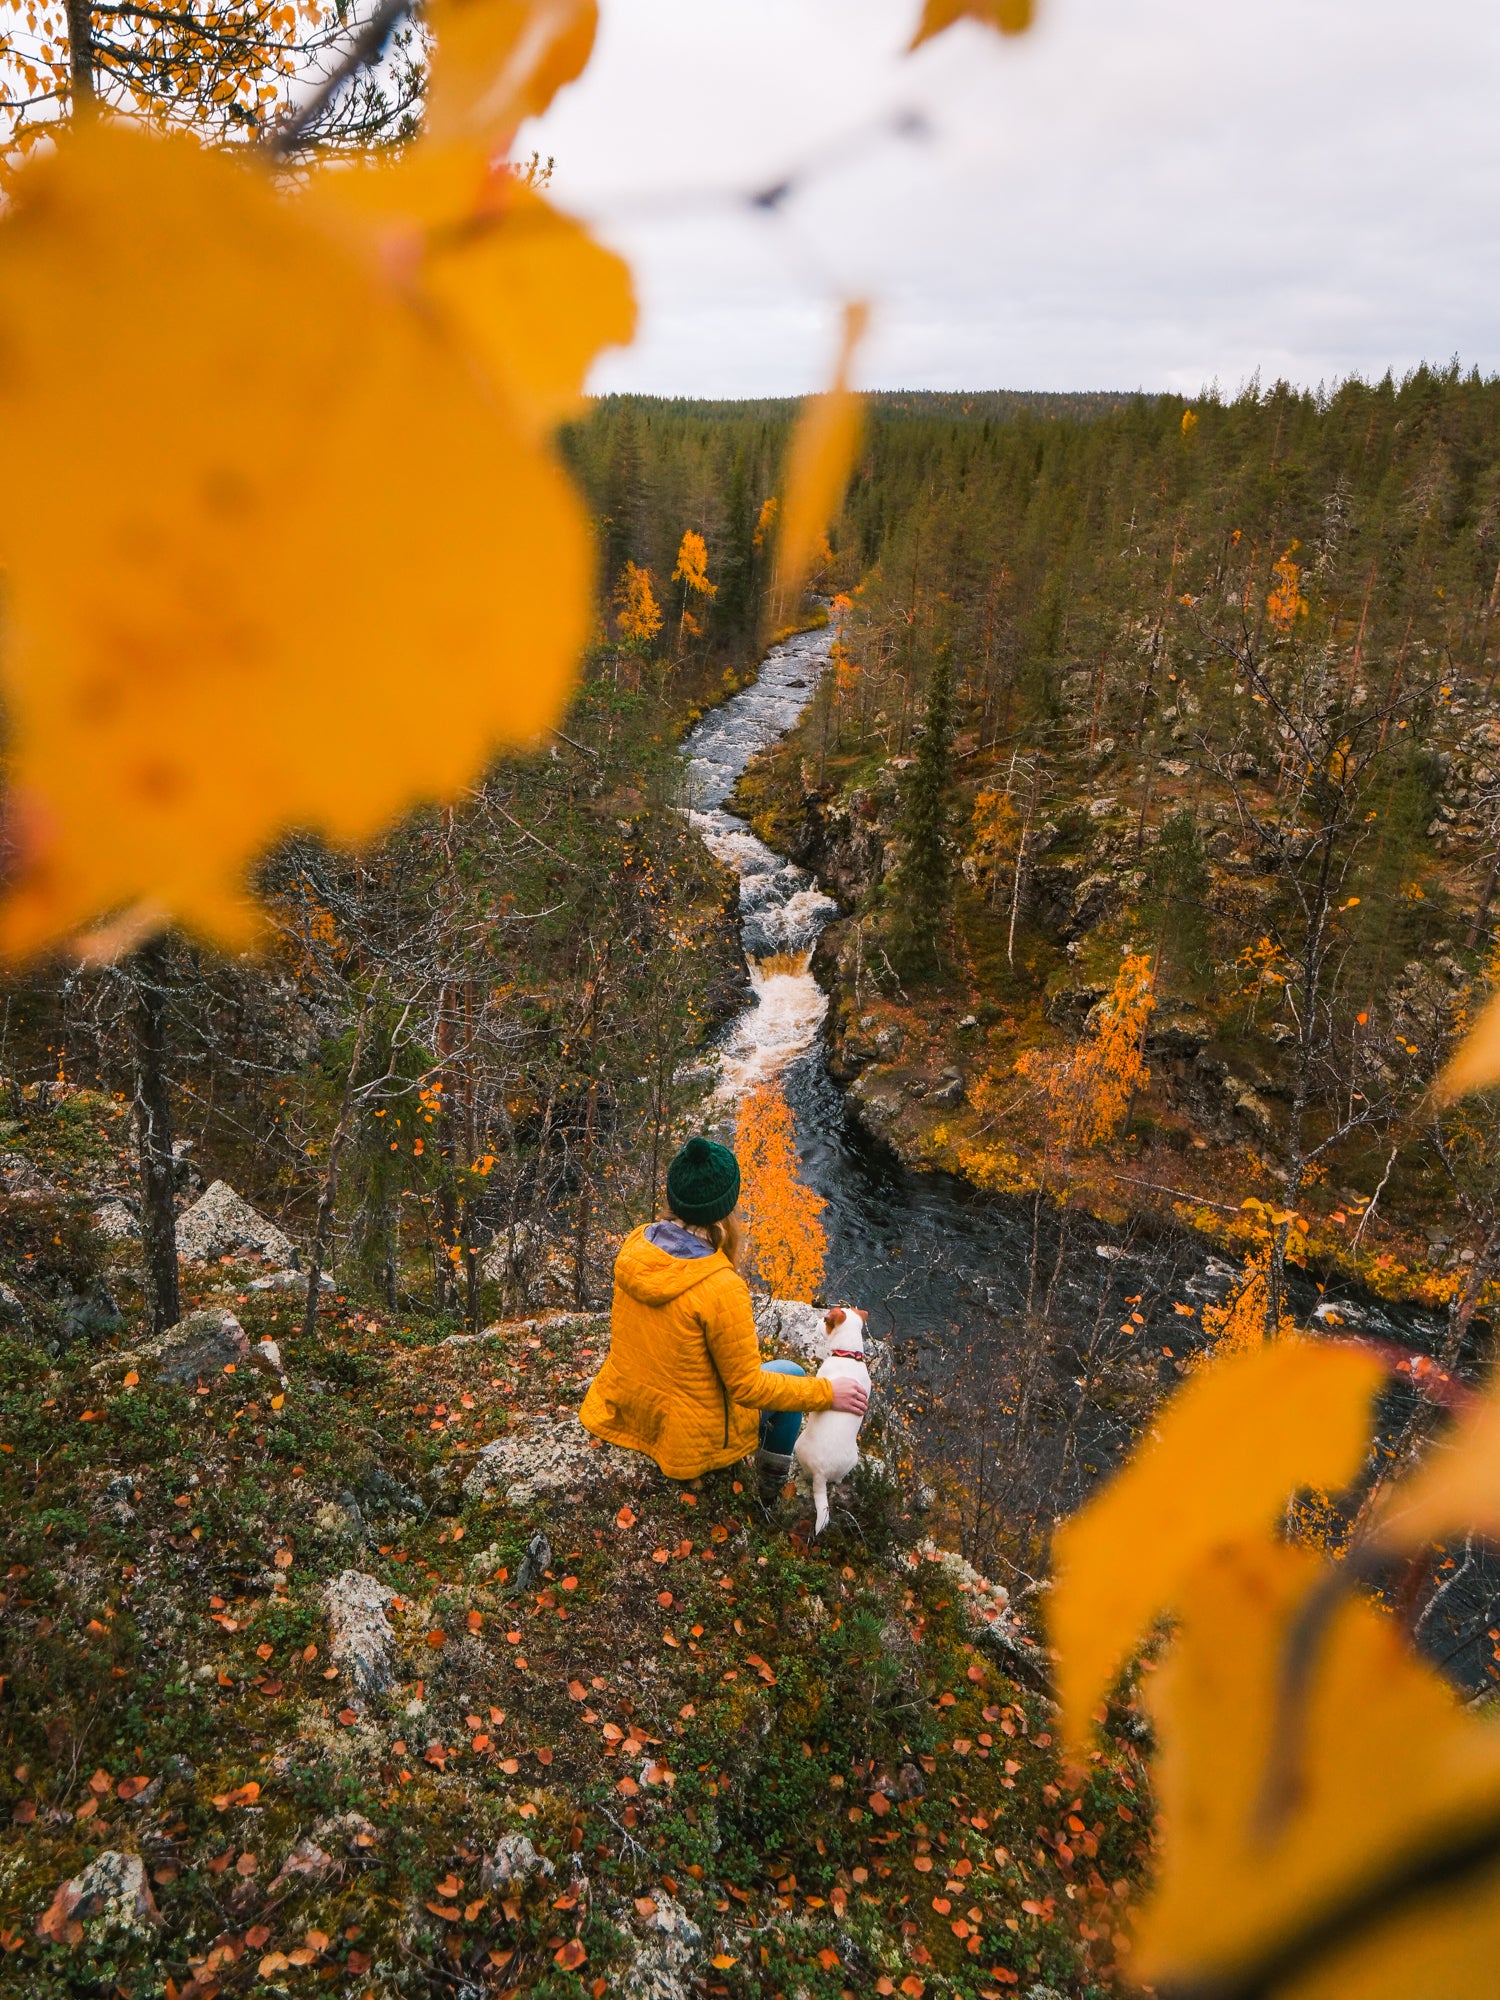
[653, 1277]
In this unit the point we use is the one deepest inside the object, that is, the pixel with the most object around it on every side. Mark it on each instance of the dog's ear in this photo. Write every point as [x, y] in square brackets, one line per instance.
[833, 1317]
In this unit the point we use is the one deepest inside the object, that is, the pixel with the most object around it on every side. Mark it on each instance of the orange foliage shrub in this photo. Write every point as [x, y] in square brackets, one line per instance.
[1243, 1321]
[1085, 1092]
[637, 615]
[781, 1212]
[1286, 604]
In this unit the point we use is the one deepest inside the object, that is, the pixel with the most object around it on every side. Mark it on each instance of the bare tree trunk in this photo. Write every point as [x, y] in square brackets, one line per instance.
[583, 1214]
[153, 1133]
[1015, 893]
[81, 53]
[329, 1197]
[584, 1210]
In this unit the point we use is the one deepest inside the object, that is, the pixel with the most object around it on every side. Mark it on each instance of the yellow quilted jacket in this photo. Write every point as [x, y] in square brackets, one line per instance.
[682, 1381]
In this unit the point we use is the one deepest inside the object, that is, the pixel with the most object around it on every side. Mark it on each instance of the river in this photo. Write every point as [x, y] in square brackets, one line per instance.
[943, 1269]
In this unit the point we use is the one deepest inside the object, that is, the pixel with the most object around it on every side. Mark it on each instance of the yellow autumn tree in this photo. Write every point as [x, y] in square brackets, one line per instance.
[994, 839]
[1084, 1092]
[1245, 1318]
[637, 615]
[782, 1214]
[765, 522]
[692, 573]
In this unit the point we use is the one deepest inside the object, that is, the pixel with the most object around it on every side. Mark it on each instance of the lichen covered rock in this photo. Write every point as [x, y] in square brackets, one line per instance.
[222, 1223]
[362, 1638]
[550, 1454]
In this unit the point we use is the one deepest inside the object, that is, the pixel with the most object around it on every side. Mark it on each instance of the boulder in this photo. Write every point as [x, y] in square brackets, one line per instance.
[798, 1330]
[535, 1564]
[663, 1966]
[92, 1316]
[1178, 1034]
[290, 1281]
[201, 1347]
[112, 1893]
[222, 1223]
[361, 1636]
[549, 1453]
[513, 1865]
[1095, 898]
[1256, 1113]
[115, 1219]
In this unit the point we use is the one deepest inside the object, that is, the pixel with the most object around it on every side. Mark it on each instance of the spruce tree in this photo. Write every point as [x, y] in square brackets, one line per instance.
[923, 880]
[1176, 900]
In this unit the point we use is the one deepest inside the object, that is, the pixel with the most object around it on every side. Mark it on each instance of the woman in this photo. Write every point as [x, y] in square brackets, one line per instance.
[683, 1381]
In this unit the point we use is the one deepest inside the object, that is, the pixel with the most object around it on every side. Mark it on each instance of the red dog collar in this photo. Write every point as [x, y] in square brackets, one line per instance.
[845, 1354]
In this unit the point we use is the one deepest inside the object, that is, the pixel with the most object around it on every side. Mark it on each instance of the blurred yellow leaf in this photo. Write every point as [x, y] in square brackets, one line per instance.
[819, 459]
[1010, 17]
[1456, 1488]
[1225, 1456]
[1391, 1771]
[497, 62]
[1443, 1944]
[282, 558]
[1477, 1063]
[523, 285]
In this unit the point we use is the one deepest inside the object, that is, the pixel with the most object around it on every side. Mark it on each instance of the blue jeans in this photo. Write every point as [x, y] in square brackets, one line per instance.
[779, 1428]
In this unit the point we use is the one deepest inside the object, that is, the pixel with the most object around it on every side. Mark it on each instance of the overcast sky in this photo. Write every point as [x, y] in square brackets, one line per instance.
[1141, 193]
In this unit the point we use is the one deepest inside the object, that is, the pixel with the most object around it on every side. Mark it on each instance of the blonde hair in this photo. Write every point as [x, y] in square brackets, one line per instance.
[727, 1234]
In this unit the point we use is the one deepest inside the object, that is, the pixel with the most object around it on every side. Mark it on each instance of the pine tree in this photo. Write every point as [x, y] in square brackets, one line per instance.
[923, 880]
[1176, 899]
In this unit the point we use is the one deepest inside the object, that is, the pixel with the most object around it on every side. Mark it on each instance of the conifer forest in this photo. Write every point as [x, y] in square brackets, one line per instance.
[1051, 836]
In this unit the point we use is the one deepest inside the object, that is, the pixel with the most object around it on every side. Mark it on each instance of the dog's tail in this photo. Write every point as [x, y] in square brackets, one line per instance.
[820, 1502]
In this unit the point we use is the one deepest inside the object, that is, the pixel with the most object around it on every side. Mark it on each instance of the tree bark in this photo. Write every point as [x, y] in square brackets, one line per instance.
[153, 1132]
[81, 53]
[329, 1197]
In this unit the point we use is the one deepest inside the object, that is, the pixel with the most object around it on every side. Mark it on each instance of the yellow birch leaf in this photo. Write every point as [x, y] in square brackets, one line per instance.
[525, 286]
[1393, 1774]
[1477, 1064]
[497, 62]
[1225, 1456]
[819, 459]
[1009, 17]
[325, 577]
[1456, 1488]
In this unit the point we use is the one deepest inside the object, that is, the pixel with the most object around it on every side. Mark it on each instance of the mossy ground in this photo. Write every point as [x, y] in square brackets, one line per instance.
[800, 1743]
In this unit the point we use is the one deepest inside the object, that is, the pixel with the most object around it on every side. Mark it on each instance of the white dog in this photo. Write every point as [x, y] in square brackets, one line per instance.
[827, 1446]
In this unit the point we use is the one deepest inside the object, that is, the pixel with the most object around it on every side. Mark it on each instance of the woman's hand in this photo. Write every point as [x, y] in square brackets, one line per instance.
[850, 1397]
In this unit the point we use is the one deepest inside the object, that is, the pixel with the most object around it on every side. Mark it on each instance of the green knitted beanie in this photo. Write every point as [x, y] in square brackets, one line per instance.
[703, 1182]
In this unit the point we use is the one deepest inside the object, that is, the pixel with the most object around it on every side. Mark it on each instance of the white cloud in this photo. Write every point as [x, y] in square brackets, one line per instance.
[1144, 193]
